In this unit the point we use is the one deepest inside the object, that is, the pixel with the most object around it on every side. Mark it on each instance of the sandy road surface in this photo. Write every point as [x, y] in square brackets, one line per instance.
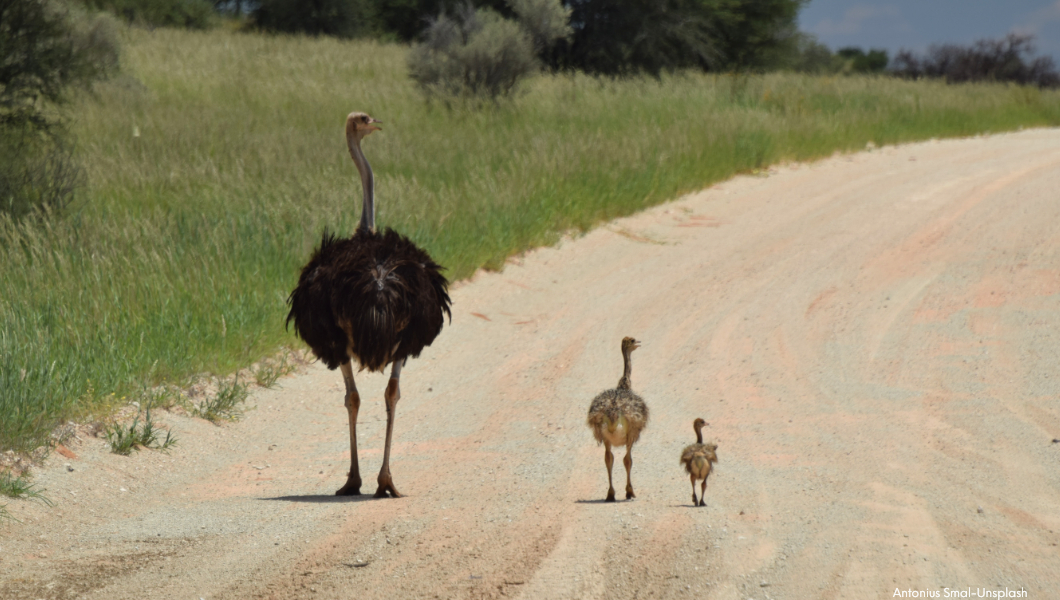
[874, 339]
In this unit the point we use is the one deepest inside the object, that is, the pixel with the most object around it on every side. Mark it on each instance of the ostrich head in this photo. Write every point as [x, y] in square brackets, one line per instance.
[629, 345]
[698, 424]
[359, 124]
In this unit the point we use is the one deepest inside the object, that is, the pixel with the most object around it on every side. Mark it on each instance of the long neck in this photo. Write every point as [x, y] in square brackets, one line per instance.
[624, 383]
[699, 434]
[367, 183]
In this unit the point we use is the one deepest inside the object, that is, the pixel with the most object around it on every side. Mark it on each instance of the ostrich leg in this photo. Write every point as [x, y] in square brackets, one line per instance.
[702, 493]
[392, 395]
[353, 404]
[628, 461]
[609, 460]
[695, 501]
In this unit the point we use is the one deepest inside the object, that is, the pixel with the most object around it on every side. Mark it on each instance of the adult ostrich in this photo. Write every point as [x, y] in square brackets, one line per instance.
[375, 298]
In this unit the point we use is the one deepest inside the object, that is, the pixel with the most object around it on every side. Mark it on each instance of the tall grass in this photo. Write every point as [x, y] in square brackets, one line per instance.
[217, 159]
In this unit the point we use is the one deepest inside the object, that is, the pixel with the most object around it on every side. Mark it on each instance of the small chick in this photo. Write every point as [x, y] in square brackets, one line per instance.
[617, 416]
[699, 459]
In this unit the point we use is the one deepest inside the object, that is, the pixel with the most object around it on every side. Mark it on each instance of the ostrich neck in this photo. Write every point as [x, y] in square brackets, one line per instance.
[624, 383]
[699, 435]
[368, 185]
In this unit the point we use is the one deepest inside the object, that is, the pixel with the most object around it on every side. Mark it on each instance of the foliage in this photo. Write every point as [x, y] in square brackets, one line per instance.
[124, 439]
[340, 18]
[475, 53]
[20, 487]
[547, 22]
[207, 216]
[269, 371]
[808, 55]
[225, 404]
[620, 37]
[192, 14]
[859, 61]
[1007, 59]
[47, 50]
[38, 171]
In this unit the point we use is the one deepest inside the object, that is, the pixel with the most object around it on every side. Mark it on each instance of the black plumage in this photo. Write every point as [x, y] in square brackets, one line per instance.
[374, 297]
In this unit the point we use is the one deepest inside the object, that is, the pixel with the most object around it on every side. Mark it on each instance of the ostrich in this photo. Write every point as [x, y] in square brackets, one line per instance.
[617, 417]
[375, 298]
[699, 459]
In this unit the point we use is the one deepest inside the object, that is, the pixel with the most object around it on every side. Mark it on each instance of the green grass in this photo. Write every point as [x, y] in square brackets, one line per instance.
[123, 439]
[216, 160]
[226, 404]
[20, 487]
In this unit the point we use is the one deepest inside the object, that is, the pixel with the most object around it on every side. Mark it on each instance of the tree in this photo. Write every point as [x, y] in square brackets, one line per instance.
[46, 52]
[617, 37]
[1008, 59]
[859, 61]
[340, 18]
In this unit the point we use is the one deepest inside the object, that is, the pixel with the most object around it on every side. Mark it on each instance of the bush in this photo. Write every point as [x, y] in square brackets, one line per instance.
[476, 53]
[808, 55]
[37, 170]
[47, 50]
[618, 37]
[340, 18]
[858, 61]
[547, 21]
[1007, 59]
[193, 14]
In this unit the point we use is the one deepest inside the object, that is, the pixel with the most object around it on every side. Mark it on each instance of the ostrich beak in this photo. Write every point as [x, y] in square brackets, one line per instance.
[372, 127]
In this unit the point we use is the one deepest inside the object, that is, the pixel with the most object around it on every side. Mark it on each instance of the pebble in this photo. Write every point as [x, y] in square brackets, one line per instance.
[69, 467]
[979, 510]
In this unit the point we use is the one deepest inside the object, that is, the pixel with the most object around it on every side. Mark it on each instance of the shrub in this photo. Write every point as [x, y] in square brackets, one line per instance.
[37, 170]
[1007, 59]
[619, 37]
[858, 61]
[47, 50]
[475, 53]
[340, 18]
[547, 21]
[193, 14]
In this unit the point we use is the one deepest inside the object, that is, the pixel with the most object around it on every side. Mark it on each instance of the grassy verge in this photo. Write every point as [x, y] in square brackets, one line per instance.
[218, 157]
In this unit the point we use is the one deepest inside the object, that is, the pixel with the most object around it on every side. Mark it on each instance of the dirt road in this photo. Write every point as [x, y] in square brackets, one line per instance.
[874, 340]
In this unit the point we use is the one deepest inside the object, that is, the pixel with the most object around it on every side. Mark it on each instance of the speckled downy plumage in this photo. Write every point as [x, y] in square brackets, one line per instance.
[699, 459]
[617, 417]
[375, 298]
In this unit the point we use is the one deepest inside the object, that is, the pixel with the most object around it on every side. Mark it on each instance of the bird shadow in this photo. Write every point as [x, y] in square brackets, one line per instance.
[600, 501]
[323, 499]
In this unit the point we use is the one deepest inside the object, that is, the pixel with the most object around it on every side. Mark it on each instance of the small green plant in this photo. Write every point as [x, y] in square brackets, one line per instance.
[20, 487]
[268, 372]
[124, 439]
[223, 406]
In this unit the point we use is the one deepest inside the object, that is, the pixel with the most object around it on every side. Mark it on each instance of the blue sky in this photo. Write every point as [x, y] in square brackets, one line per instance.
[916, 24]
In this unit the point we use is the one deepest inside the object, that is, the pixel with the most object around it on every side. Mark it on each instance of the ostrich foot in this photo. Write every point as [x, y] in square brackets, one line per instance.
[702, 502]
[386, 486]
[629, 494]
[695, 501]
[610, 495]
[352, 488]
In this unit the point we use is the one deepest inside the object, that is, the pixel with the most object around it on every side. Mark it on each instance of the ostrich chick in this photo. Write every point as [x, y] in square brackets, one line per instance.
[617, 417]
[698, 459]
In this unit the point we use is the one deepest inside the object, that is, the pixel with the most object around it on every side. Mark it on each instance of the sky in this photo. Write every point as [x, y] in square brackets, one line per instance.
[917, 24]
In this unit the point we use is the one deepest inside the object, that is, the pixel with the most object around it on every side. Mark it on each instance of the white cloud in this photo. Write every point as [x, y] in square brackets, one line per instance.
[855, 18]
[1040, 18]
